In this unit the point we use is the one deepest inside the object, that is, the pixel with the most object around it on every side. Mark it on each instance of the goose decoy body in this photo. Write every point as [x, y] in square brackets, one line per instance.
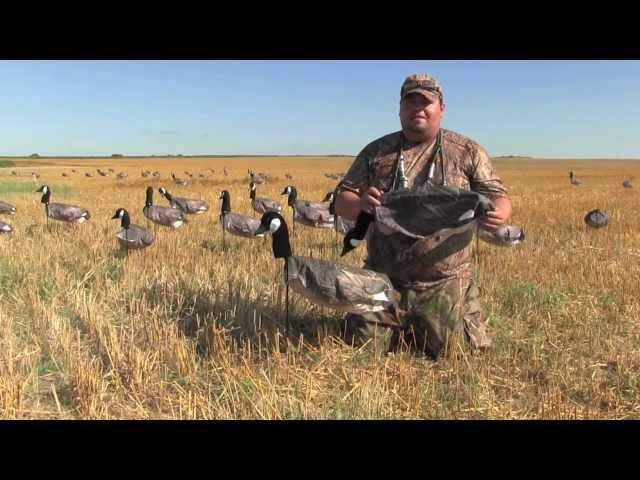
[503, 236]
[311, 214]
[5, 228]
[88, 175]
[165, 216]
[574, 180]
[7, 208]
[427, 212]
[236, 223]
[262, 204]
[133, 237]
[341, 225]
[187, 205]
[146, 174]
[341, 287]
[179, 181]
[61, 211]
[596, 218]
[122, 175]
[102, 173]
[627, 184]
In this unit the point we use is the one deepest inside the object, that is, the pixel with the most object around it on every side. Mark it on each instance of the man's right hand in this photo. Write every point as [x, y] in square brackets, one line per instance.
[370, 199]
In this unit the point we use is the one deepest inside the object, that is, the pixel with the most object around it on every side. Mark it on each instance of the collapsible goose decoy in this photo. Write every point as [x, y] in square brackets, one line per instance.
[5, 228]
[596, 219]
[503, 236]
[340, 224]
[262, 204]
[7, 208]
[574, 180]
[178, 181]
[311, 214]
[146, 174]
[236, 223]
[224, 170]
[132, 236]
[88, 175]
[61, 211]
[432, 212]
[344, 288]
[187, 205]
[627, 184]
[122, 175]
[165, 216]
[102, 173]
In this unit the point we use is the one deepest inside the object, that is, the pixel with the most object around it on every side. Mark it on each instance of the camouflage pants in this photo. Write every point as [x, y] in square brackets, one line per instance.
[428, 320]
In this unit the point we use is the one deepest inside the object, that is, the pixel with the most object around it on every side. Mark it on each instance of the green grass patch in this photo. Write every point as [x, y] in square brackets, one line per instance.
[57, 191]
[529, 296]
[7, 163]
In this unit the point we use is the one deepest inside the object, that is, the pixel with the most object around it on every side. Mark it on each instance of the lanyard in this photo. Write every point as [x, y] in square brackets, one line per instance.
[400, 180]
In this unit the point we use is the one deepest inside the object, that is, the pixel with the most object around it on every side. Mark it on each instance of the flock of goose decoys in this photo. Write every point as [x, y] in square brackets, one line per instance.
[596, 218]
[433, 213]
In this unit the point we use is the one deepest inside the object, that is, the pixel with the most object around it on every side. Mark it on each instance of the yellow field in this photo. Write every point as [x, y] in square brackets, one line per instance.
[187, 330]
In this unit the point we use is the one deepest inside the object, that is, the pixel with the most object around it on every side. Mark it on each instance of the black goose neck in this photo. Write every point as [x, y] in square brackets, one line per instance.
[280, 243]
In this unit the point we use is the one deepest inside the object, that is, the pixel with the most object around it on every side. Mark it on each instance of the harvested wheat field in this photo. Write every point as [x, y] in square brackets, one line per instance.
[186, 329]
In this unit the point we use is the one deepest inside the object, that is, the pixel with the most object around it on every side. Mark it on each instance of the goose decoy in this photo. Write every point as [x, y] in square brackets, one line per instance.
[311, 214]
[236, 223]
[344, 288]
[340, 224]
[256, 177]
[61, 211]
[288, 176]
[64, 174]
[627, 184]
[574, 180]
[596, 219]
[14, 173]
[5, 228]
[503, 236]
[122, 175]
[146, 174]
[188, 174]
[187, 205]
[224, 170]
[262, 204]
[179, 181]
[102, 173]
[165, 216]
[132, 236]
[430, 212]
[7, 208]
[73, 170]
[88, 175]
[155, 174]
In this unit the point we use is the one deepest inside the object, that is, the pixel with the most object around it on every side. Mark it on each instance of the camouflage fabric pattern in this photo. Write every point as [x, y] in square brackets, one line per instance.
[435, 277]
[423, 84]
[429, 320]
[457, 161]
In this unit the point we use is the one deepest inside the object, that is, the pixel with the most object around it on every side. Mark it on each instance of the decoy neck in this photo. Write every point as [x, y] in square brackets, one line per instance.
[226, 202]
[46, 194]
[293, 194]
[149, 200]
[123, 215]
[275, 223]
[356, 235]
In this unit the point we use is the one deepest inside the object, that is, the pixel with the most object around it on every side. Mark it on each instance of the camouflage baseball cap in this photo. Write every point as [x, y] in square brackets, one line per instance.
[423, 84]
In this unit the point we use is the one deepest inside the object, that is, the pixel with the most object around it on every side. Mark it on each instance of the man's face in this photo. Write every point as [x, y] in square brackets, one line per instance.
[421, 115]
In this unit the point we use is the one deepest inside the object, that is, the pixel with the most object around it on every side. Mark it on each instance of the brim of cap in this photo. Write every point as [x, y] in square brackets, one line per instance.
[430, 94]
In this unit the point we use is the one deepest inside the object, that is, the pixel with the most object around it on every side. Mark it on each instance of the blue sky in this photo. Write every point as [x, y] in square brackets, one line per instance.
[572, 109]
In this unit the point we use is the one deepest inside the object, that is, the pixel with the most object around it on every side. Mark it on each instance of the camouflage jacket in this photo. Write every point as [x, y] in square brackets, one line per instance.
[452, 159]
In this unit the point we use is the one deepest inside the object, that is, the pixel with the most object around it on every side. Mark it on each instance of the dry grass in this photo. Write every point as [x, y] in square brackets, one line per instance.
[187, 330]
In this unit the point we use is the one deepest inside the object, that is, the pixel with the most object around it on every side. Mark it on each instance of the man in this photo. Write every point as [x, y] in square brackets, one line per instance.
[439, 294]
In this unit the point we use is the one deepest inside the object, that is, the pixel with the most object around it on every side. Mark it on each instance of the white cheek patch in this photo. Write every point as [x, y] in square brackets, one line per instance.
[45, 189]
[81, 220]
[354, 242]
[274, 225]
[288, 189]
[469, 214]
[177, 223]
[6, 228]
